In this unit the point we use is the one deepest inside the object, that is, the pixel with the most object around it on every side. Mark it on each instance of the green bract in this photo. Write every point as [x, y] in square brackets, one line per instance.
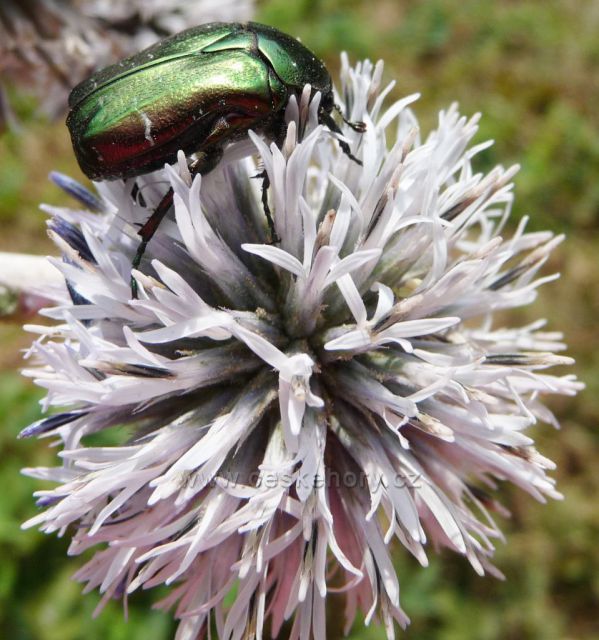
[195, 91]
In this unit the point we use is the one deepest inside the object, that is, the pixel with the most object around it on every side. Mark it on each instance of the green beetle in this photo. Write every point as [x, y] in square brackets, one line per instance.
[196, 91]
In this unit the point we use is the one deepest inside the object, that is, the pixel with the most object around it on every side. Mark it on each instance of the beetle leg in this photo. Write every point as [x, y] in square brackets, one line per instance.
[147, 231]
[360, 127]
[205, 162]
[328, 120]
[274, 238]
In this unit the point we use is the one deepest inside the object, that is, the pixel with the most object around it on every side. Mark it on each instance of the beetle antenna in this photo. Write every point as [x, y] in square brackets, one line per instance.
[360, 127]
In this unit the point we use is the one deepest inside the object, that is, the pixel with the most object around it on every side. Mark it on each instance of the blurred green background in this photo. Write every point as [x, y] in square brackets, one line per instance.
[532, 69]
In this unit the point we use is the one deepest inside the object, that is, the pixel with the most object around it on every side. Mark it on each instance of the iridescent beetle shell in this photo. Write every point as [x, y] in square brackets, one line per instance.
[194, 91]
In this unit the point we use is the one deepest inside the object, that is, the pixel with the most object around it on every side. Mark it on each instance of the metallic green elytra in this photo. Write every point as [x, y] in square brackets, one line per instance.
[195, 91]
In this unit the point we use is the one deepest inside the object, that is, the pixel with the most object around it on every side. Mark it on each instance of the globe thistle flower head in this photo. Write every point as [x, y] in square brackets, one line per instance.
[287, 409]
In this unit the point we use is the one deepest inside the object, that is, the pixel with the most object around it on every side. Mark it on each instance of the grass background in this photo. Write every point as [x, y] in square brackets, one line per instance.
[532, 68]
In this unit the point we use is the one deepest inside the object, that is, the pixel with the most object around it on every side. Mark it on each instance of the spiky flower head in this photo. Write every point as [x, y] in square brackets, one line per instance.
[286, 410]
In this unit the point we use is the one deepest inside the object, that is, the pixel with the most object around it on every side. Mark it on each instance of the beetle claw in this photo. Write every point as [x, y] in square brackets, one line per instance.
[357, 126]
